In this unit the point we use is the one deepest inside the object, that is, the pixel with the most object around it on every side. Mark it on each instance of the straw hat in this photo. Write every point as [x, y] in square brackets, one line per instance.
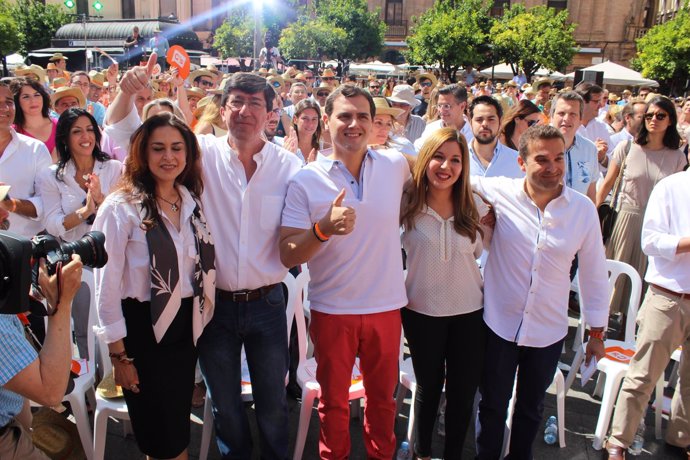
[328, 72]
[613, 97]
[510, 83]
[201, 73]
[67, 91]
[530, 90]
[33, 69]
[195, 92]
[57, 57]
[428, 76]
[276, 82]
[323, 87]
[383, 107]
[97, 78]
[525, 87]
[499, 86]
[541, 82]
[59, 82]
[404, 94]
[51, 66]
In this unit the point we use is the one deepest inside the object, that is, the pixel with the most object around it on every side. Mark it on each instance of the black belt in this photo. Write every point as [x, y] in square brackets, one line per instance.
[245, 295]
[670, 292]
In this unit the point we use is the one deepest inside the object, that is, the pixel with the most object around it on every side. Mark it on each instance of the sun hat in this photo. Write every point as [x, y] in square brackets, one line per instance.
[428, 76]
[404, 94]
[383, 107]
[67, 91]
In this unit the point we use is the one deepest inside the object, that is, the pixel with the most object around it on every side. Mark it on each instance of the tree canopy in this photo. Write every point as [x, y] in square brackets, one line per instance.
[663, 54]
[9, 35]
[312, 39]
[532, 38]
[235, 37]
[454, 34]
[37, 23]
[364, 30]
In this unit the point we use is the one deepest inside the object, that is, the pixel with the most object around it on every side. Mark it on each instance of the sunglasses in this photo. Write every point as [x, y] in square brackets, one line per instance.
[531, 123]
[276, 84]
[322, 94]
[659, 116]
[206, 83]
[327, 78]
[426, 84]
[374, 86]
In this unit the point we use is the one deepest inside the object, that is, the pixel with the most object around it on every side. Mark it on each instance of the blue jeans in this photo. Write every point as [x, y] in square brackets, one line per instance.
[262, 327]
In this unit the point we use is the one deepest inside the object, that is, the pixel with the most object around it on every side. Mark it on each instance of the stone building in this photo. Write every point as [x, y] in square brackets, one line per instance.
[606, 29]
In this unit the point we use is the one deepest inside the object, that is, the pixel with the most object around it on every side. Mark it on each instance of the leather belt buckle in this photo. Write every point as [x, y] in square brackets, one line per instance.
[241, 296]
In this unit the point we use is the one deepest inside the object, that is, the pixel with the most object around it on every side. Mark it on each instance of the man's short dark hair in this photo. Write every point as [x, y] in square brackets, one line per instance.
[537, 133]
[349, 91]
[459, 92]
[250, 84]
[570, 96]
[79, 73]
[586, 89]
[486, 100]
[629, 108]
[411, 81]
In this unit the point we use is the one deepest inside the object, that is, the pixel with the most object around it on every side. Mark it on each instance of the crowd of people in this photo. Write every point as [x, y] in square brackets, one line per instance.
[208, 189]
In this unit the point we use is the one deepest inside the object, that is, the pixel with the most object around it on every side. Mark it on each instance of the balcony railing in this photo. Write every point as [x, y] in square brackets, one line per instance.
[397, 29]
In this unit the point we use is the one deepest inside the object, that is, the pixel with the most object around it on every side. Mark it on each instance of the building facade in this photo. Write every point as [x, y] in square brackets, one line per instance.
[606, 29]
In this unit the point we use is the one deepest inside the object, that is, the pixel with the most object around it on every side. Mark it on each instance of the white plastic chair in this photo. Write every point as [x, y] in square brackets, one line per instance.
[84, 384]
[291, 307]
[618, 353]
[306, 376]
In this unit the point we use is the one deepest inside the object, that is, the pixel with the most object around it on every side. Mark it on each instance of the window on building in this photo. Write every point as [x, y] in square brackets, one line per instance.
[394, 12]
[499, 7]
[128, 9]
[558, 5]
[167, 7]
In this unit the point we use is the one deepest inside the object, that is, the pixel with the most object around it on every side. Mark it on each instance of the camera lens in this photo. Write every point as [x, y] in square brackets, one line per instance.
[91, 249]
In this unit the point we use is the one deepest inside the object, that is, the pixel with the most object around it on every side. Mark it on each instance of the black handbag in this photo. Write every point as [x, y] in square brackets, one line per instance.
[607, 211]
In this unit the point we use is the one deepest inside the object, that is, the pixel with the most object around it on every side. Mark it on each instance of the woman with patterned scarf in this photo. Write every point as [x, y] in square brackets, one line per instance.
[156, 293]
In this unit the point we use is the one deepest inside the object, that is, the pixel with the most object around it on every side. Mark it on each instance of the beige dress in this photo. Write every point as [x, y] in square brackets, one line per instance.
[643, 169]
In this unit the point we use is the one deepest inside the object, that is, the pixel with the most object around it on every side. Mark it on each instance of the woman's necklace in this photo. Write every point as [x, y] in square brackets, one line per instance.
[173, 204]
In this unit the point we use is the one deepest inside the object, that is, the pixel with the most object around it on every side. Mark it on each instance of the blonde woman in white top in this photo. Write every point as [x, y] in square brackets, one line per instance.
[443, 320]
[71, 191]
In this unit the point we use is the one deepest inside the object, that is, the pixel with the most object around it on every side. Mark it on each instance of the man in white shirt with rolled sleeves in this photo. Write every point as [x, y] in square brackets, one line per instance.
[357, 286]
[245, 181]
[664, 318]
[452, 102]
[540, 226]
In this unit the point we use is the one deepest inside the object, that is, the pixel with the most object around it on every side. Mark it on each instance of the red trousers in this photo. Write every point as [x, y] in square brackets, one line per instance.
[338, 340]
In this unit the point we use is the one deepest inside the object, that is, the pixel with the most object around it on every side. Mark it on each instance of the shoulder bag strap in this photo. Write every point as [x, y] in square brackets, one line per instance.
[619, 179]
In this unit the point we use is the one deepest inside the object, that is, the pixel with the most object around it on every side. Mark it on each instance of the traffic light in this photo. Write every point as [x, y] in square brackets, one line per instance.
[97, 5]
[70, 4]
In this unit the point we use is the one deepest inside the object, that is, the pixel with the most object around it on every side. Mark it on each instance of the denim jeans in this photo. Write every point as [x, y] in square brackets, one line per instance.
[262, 327]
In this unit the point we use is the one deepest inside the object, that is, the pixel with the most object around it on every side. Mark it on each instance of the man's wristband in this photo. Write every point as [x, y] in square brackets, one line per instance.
[122, 357]
[597, 335]
[318, 233]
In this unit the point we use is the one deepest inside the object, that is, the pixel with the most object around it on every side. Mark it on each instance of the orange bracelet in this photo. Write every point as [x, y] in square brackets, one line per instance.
[319, 234]
[597, 335]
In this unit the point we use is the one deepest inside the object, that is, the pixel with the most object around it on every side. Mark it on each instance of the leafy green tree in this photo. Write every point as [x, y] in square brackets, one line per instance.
[235, 37]
[532, 38]
[663, 54]
[9, 35]
[37, 23]
[312, 39]
[365, 30]
[452, 33]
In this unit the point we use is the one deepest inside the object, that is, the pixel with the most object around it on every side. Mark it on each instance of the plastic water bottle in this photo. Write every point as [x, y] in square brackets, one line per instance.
[404, 453]
[638, 441]
[551, 431]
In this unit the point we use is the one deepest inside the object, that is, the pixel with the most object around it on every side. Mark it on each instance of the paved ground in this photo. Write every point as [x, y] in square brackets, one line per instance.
[581, 415]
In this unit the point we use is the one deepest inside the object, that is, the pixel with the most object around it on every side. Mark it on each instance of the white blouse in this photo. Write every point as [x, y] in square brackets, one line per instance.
[63, 197]
[443, 277]
[127, 273]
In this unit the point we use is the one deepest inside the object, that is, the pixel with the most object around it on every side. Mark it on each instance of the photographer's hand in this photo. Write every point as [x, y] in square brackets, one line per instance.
[45, 379]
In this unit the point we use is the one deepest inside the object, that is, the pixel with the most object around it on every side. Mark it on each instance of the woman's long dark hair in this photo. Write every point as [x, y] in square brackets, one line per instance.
[64, 126]
[16, 88]
[671, 137]
[521, 110]
[301, 106]
[137, 179]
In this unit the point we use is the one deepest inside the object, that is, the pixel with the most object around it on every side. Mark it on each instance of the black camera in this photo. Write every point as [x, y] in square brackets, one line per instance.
[18, 255]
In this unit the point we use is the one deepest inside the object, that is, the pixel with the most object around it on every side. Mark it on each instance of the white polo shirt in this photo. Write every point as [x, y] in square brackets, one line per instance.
[22, 162]
[244, 217]
[359, 273]
[527, 275]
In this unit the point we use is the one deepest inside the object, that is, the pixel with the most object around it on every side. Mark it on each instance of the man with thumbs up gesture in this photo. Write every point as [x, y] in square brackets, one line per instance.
[341, 216]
